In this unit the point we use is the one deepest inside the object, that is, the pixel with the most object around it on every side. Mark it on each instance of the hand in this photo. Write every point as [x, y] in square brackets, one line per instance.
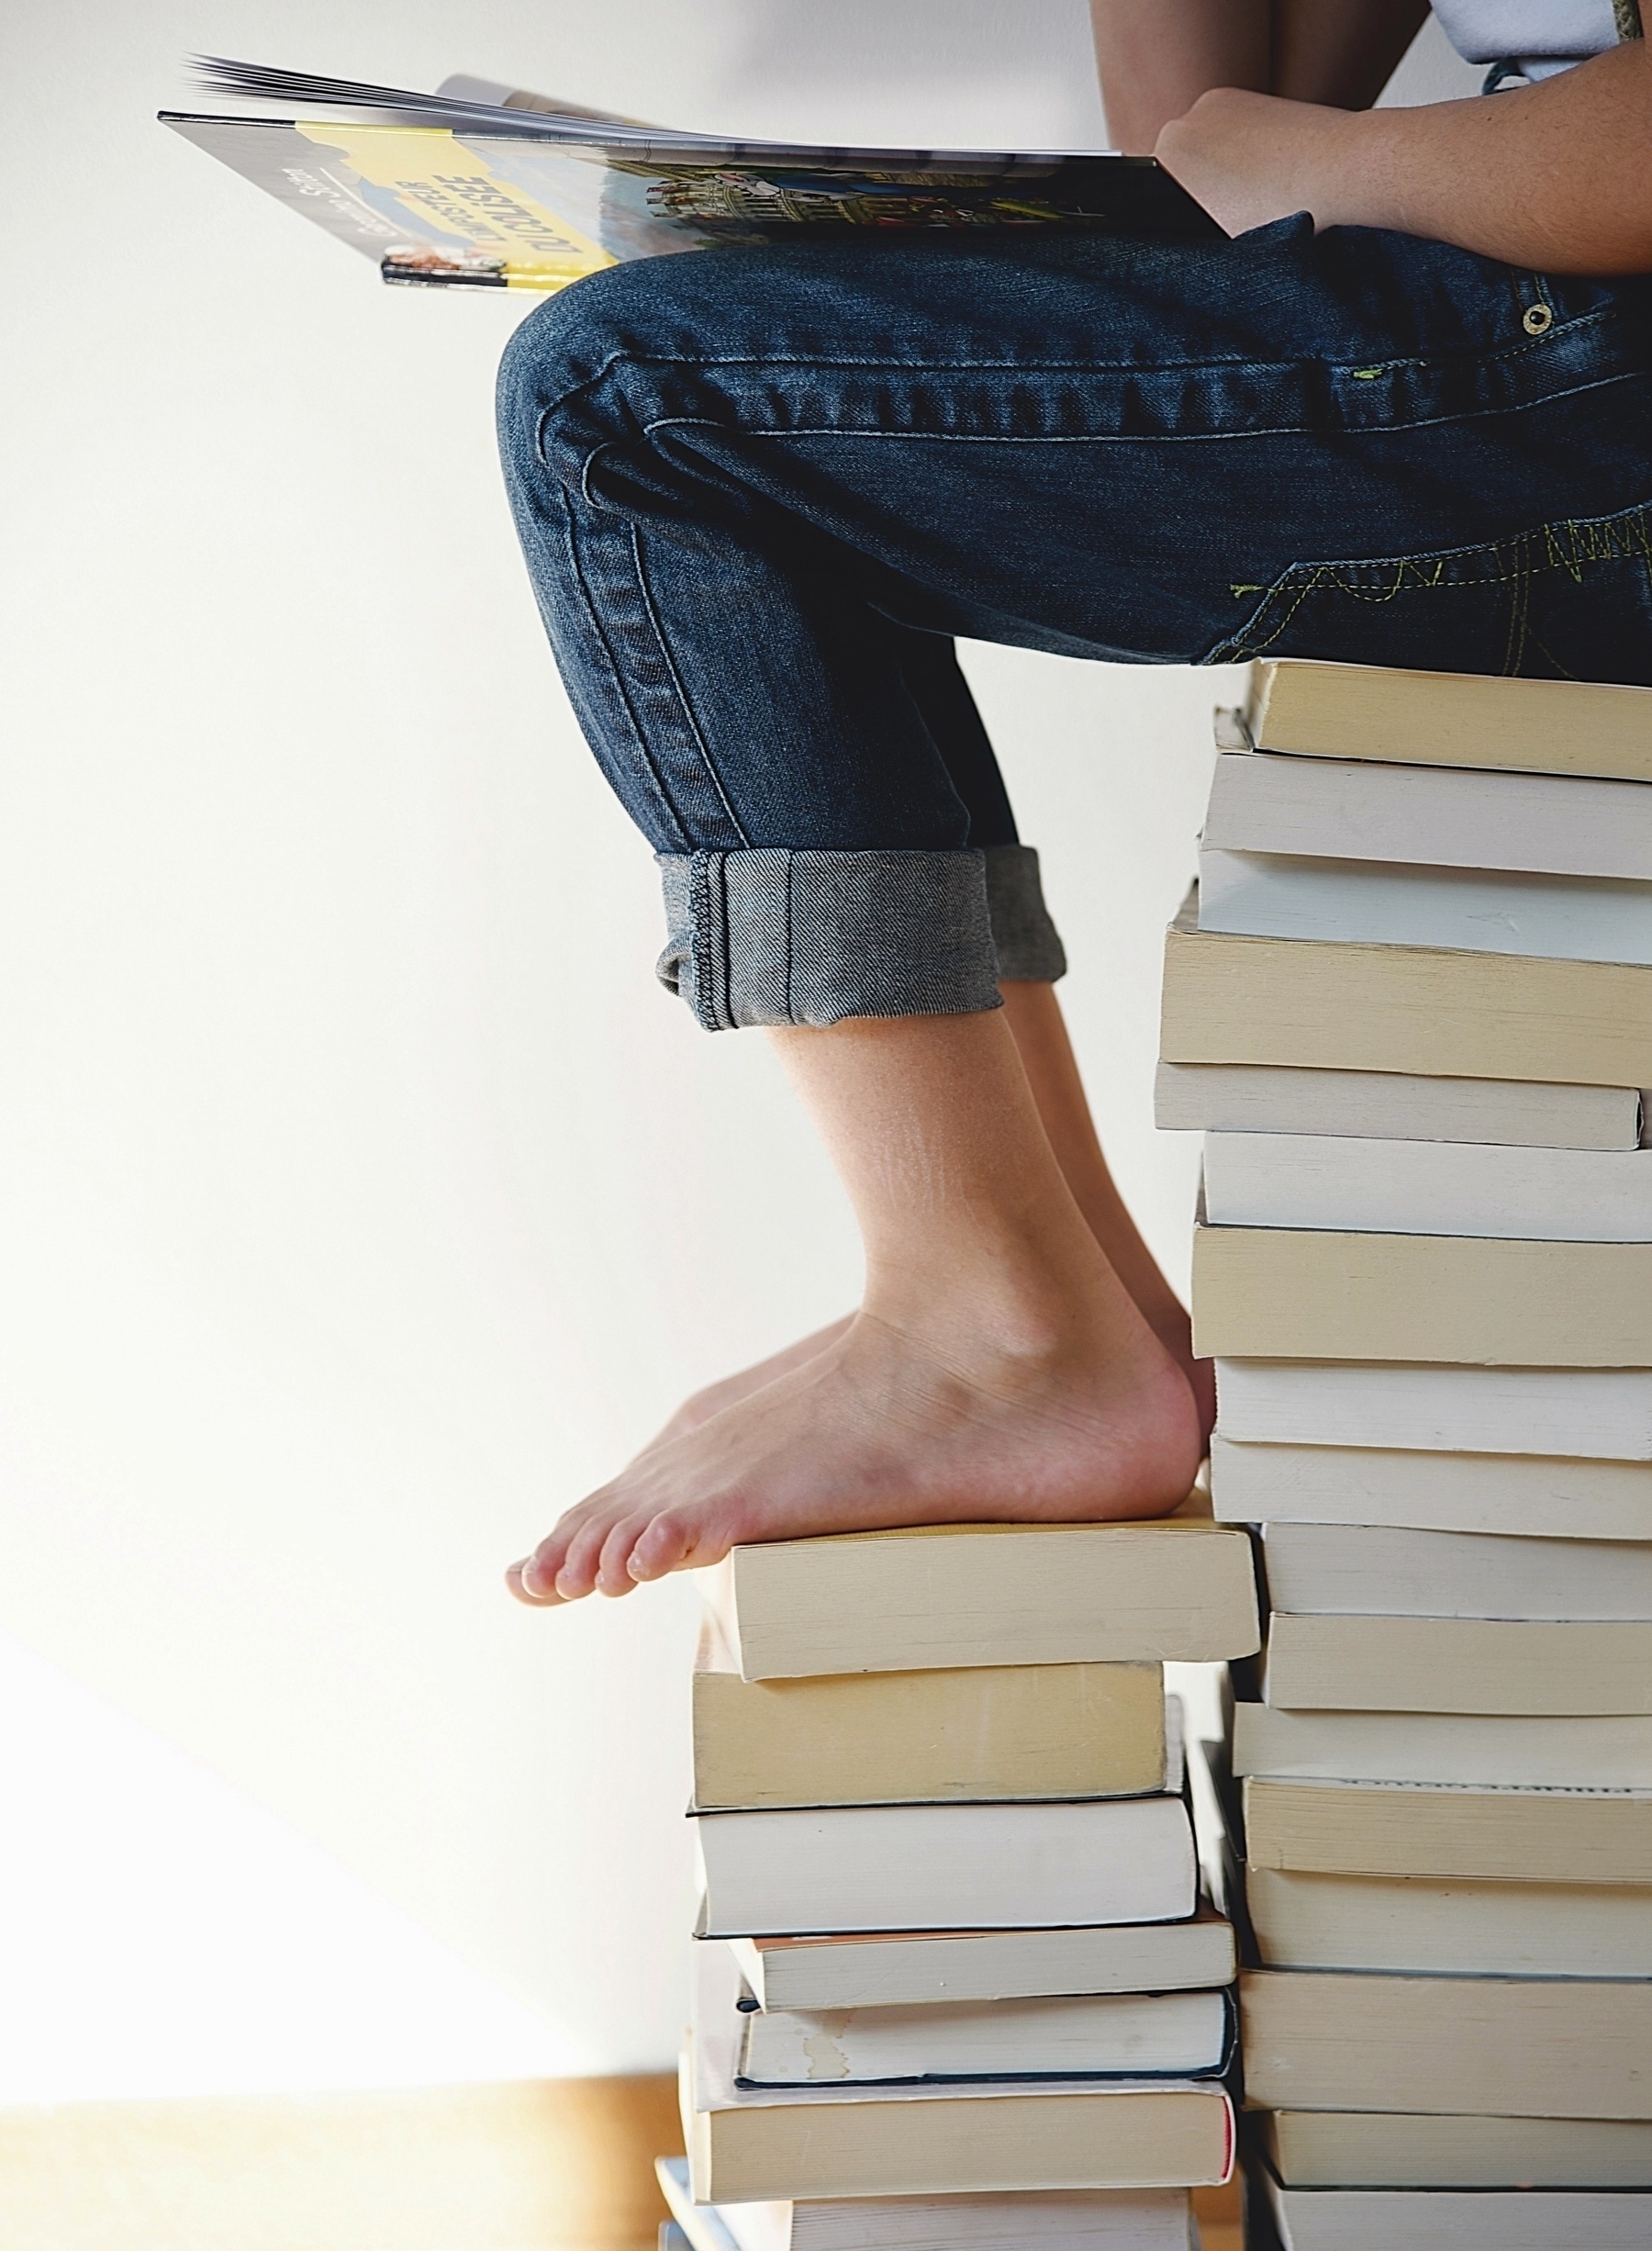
[1251, 158]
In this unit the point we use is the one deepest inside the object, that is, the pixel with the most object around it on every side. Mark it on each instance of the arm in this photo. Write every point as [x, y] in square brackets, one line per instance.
[1157, 57]
[1556, 176]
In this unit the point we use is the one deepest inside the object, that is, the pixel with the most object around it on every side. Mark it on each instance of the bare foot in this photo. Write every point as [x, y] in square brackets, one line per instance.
[892, 1425]
[700, 1405]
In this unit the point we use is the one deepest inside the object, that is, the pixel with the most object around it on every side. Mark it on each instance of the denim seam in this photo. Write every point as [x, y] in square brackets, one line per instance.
[640, 739]
[1523, 347]
[791, 948]
[1319, 576]
[1197, 437]
[676, 681]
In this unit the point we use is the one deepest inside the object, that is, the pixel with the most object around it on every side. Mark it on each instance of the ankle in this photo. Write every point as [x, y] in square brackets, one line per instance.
[1020, 1311]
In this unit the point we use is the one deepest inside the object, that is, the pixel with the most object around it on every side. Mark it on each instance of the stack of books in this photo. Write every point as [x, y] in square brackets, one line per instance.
[1412, 1012]
[955, 1981]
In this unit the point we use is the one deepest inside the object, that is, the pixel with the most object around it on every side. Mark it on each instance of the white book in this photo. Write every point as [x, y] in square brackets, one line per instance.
[1376, 1570]
[1360, 902]
[1591, 1414]
[755, 2144]
[1049, 2219]
[959, 1867]
[1097, 2035]
[1462, 2219]
[1440, 816]
[884, 1970]
[1484, 1749]
[1527, 1496]
[1450, 1927]
[1387, 1106]
[1379, 1187]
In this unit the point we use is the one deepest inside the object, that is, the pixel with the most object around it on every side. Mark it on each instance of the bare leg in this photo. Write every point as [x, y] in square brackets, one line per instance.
[1034, 1017]
[997, 1368]
[1052, 1069]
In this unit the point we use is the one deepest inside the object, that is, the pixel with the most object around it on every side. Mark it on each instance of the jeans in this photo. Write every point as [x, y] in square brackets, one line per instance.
[760, 489]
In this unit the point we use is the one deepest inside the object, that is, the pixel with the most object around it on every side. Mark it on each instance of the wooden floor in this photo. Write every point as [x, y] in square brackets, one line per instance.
[535, 2165]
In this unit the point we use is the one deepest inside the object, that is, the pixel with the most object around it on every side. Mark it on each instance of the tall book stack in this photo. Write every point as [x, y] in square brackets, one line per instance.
[1411, 1012]
[954, 1981]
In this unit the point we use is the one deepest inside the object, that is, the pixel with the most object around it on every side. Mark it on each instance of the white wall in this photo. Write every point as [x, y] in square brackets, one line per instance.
[362, 1200]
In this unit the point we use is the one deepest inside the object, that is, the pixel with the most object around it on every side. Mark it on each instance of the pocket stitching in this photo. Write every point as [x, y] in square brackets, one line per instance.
[1303, 580]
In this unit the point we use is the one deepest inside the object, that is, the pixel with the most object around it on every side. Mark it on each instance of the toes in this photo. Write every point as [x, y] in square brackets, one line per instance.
[515, 1581]
[544, 1575]
[613, 1573]
[583, 1556]
[666, 1542]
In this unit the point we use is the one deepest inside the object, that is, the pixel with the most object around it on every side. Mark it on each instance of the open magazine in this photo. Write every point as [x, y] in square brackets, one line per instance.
[480, 185]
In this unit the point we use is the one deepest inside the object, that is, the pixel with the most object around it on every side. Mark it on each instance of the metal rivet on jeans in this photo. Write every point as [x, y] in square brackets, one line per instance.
[1537, 319]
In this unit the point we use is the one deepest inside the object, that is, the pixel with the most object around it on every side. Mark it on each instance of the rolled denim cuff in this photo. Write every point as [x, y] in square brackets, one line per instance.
[772, 937]
[1026, 941]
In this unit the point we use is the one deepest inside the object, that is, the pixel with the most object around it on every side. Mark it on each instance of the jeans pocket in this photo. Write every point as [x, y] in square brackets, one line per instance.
[1565, 600]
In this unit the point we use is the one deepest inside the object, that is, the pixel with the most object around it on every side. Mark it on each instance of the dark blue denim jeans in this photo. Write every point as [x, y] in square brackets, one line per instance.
[760, 489]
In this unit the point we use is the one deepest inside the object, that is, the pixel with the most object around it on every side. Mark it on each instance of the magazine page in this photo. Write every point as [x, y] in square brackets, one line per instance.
[514, 194]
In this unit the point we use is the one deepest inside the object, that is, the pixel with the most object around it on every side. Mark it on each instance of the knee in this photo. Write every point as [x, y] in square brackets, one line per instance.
[563, 376]
[553, 356]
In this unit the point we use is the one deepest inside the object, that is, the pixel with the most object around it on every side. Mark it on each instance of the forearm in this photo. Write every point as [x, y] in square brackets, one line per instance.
[1556, 176]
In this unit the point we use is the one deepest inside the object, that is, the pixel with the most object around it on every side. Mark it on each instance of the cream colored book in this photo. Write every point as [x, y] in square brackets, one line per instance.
[884, 1969]
[1450, 1927]
[1249, 1098]
[976, 1732]
[948, 1595]
[1457, 1664]
[1332, 2149]
[1430, 1012]
[1451, 719]
[1297, 1294]
[1459, 2219]
[1506, 1493]
[753, 2144]
[1553, 2047]
[1374, 1569]
[1419, 1829]
[1477, 1750]
[1031, 2220]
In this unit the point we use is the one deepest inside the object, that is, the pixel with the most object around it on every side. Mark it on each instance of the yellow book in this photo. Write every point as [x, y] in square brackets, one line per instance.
[972, 1732]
